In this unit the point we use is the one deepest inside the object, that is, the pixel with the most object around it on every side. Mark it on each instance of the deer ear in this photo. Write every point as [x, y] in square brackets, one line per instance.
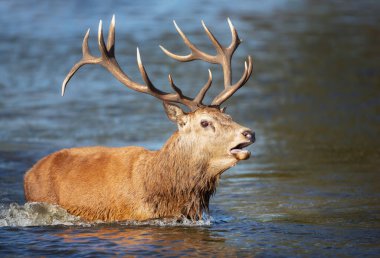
[174, 113]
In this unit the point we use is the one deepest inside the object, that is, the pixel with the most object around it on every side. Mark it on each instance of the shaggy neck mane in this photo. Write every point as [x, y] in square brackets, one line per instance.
[179, 180]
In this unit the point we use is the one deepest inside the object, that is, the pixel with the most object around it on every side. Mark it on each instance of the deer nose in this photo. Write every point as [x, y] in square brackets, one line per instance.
[249, 135]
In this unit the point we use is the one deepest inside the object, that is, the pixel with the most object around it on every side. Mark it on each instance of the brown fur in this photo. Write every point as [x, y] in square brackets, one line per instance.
[132, 183]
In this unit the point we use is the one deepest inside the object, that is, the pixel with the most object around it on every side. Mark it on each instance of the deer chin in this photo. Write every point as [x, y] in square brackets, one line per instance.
[239, 153]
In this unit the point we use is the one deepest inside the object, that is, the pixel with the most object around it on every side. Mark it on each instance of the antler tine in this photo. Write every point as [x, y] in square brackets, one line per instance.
[111, 37]
[235, 41]
[223, 56]
[174, 87]
[186, 58]
[195, 52]
[228, 92]
[249, 69]
[87, 58]
[215, 42]
[85, 48]
[102, 46]
[199, 98]
[156, 92]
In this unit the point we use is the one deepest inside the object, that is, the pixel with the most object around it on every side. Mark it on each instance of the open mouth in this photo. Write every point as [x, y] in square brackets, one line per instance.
[238, 151]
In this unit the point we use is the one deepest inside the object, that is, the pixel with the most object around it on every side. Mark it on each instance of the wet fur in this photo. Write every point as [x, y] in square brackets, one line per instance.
[111, 184]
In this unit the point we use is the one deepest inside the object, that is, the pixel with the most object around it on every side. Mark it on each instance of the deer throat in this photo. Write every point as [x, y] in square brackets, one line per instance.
[180, 181]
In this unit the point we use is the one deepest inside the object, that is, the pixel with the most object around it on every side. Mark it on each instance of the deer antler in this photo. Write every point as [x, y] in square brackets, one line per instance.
[108, 61]
[223, 57]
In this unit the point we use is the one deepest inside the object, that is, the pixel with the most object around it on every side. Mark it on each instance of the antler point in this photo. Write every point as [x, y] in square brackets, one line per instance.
[87, 34]
[203, 24]
[100, 26]
[177, 27]
[63, 87]
[229, 22]
[138, 57]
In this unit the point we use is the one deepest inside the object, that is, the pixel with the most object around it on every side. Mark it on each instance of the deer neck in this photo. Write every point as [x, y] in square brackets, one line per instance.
[179, 181]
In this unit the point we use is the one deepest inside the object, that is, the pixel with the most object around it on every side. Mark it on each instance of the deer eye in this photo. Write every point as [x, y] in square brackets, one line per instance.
[205, 123]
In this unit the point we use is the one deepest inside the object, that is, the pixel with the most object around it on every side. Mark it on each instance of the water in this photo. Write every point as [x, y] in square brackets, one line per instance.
[312, 186]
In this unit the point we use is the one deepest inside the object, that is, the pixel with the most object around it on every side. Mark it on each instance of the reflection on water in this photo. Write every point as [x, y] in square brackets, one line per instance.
[172, 241]
[313, 184]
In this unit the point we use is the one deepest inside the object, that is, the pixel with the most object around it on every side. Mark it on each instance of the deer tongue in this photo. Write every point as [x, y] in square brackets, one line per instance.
[240, 154]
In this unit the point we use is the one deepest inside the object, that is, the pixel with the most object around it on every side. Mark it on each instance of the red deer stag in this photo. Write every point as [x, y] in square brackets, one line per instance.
[132, 183]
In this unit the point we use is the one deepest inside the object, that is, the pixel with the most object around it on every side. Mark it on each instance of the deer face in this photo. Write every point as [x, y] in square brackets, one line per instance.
[214, 134]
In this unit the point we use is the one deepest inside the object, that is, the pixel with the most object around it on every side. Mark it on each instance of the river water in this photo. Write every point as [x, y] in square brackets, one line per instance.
[312, 186]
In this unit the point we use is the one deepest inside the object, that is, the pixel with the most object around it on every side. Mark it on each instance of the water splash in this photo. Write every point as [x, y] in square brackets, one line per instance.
[35, 214]
[44, 214]
[172, 222]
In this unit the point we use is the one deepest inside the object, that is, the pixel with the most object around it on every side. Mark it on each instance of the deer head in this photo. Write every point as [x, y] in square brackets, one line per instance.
[212, 135]
[208, 126]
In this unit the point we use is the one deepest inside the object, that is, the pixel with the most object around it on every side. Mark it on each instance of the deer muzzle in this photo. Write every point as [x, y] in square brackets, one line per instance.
[238, 151]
